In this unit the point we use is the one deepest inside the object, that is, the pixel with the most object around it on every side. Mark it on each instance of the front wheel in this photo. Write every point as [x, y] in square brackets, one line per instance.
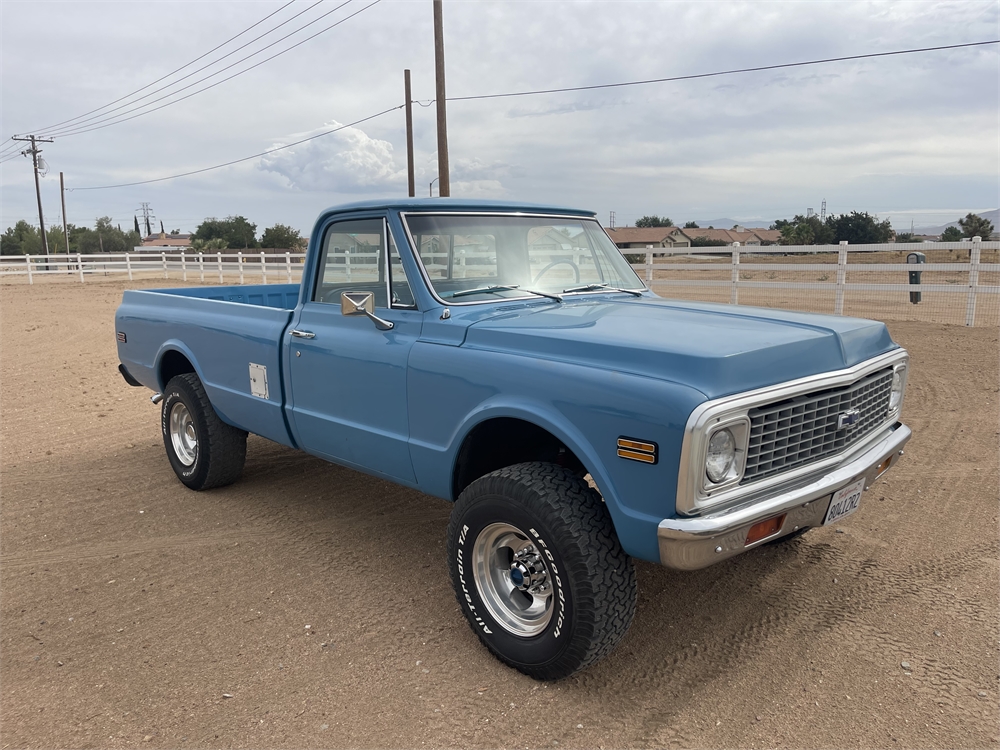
[204, 451]
[538, 569]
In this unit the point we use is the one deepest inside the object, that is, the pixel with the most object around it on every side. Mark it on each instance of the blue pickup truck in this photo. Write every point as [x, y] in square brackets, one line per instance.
[507, 358]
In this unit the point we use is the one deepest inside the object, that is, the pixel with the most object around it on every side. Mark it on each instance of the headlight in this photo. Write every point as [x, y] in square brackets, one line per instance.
[898, 383]
[720, 456]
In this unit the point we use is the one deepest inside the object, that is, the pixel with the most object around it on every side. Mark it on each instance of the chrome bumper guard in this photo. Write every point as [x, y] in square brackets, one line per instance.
[697, 542]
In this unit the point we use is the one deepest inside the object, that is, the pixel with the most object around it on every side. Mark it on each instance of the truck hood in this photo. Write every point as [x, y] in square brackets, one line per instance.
[716, 349]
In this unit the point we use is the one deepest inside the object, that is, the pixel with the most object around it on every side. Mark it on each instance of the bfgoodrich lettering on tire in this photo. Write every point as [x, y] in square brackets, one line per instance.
[204, 451]
[538, 569]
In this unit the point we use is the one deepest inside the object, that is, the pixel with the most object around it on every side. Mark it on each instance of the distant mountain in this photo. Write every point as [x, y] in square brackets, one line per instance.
[727, 223]
[992, 216]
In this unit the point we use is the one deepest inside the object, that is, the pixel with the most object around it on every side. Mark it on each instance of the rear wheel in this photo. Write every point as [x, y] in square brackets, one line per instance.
[538, 569]
[204, 451]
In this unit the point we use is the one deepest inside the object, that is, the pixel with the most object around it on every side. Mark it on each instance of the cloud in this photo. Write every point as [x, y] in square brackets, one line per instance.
[348, 161]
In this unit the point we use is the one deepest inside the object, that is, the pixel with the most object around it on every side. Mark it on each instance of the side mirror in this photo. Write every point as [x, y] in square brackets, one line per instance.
[362, 303]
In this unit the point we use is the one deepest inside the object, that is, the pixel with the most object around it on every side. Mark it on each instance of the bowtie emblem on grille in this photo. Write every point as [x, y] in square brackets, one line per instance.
[848, 418]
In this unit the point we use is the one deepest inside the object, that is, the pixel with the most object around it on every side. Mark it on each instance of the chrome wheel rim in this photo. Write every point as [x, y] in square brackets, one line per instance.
[513, 579]
[183, 436]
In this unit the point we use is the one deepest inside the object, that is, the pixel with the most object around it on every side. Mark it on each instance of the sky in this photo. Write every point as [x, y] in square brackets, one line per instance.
[913, 138]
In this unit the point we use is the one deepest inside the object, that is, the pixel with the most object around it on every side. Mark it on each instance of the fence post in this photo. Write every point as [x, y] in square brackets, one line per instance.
[970, 304]
[649, 264]
[841, 277]
[288, 266]
[201, 266]
[28, 258]
[128, 265]
[184, 268]
[734, 294]
[219, 256]
[263, 268]
[239, 259]
[163, 259]
[79, 261]
[347, 264]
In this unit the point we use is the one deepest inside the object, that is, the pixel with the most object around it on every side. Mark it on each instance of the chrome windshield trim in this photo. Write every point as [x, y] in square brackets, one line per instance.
[404, 215]
[691, 500]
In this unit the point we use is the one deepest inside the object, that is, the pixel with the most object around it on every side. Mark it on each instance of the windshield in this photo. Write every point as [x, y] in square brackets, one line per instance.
[478, 258]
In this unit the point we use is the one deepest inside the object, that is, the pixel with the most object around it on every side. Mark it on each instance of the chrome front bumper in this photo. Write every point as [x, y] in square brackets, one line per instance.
[697, 542]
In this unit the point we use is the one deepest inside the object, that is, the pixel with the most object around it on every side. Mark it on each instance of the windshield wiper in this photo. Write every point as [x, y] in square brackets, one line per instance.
[502, 288]
[608, 287]
[485, 289]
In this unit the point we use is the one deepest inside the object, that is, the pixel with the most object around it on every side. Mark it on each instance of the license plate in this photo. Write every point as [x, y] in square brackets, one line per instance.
[844, 502]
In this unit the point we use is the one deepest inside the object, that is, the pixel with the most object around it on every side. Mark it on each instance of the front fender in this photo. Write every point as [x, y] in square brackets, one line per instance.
[451, 390]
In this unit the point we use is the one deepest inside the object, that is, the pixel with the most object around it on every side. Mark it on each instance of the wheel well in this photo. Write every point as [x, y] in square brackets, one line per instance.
[173, 363]
[505, 441]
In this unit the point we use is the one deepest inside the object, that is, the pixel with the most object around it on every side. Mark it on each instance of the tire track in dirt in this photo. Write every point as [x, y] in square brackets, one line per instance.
[871, 586]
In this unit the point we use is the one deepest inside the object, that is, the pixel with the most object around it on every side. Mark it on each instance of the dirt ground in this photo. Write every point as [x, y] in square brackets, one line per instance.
[309, 605]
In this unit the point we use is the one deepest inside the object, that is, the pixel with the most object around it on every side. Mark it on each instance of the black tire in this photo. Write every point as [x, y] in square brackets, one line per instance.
[588, 588]
[208, 453]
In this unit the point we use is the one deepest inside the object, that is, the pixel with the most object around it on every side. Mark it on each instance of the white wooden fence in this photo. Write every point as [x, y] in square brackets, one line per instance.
[204, 267]
[840, 273]
[840, 279]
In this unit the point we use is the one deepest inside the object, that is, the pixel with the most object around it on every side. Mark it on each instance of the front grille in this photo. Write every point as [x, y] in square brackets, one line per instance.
[803, 429]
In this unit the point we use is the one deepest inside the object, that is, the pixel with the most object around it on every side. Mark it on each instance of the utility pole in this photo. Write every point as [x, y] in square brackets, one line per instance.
[62, 197]
[444, 186]
[409, 134]
[35, 151]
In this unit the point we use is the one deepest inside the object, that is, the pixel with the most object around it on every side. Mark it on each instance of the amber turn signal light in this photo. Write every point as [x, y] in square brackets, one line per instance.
[764, 529]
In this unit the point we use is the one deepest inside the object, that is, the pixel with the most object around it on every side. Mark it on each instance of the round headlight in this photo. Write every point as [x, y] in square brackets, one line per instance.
[897, 390]
[721, 455]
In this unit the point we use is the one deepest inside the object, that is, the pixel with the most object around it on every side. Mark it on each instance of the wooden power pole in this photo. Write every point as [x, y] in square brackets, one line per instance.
[444, 184]
[35, 151]
[62, 197]
[409, 134]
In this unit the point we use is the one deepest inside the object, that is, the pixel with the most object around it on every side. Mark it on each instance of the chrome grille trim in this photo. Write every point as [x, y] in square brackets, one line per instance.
[803, 429]
[693, 498]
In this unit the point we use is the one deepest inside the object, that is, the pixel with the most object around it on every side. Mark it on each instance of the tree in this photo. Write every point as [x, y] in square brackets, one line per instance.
[654, 221]
[706, 242]
[21, 239]
[951, 234]
[804, 230]
[859, 228]
[692, 225]
[238, 233]
[202, 246]
[281, 237]
[906, 237]
[105, 237]
[976, 226]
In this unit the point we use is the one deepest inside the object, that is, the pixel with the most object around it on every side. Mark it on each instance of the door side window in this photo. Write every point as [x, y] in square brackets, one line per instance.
[353, 260]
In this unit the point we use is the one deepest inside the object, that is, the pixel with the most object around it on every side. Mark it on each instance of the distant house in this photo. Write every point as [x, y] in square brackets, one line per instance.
[746, 237]
[164, 240]
[629, 238]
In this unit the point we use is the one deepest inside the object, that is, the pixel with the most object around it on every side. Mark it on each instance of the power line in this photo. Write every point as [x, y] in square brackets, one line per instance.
[246, 158]
[550, 91]
[721, 72]
[119, 118]
[192, 62]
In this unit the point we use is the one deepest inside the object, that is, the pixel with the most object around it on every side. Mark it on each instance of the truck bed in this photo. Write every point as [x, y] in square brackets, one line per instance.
[221, 331]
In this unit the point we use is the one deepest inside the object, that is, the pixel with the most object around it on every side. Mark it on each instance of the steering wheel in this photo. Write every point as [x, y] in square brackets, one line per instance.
[576, 269]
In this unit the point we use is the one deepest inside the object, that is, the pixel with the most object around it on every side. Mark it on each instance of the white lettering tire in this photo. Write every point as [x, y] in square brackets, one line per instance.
[538, 569]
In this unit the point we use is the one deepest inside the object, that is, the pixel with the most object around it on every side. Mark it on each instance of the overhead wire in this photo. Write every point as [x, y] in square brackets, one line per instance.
[719, 73]
[559, 90]
[185, 65]
[119, 118]
[247, 158]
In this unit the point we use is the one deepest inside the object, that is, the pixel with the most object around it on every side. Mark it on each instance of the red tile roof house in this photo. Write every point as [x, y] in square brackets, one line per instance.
[628, 238]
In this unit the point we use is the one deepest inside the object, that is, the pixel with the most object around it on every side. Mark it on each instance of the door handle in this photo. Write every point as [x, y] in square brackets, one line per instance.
[301, 334]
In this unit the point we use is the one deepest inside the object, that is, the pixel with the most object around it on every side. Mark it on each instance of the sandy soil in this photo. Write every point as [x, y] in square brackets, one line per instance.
[309, 606]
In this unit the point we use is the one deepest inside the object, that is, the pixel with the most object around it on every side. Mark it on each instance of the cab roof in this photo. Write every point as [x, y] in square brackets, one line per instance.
[456, 204]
